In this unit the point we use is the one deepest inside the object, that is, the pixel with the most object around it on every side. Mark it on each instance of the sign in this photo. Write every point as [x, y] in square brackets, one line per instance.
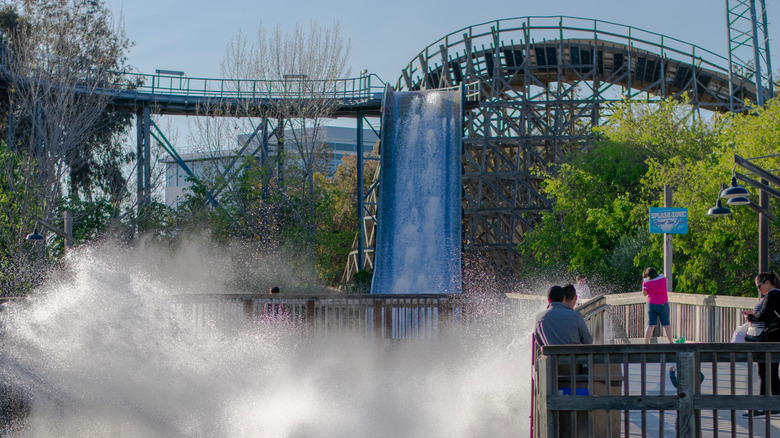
[669, 220]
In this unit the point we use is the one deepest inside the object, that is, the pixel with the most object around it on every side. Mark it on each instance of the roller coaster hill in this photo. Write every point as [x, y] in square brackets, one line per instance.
[534, 88]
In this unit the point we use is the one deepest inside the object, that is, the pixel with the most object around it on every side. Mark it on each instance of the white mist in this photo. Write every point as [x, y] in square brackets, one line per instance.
[102, 351]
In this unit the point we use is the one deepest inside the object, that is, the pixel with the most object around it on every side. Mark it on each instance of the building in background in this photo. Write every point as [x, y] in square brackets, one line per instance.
[340, 140]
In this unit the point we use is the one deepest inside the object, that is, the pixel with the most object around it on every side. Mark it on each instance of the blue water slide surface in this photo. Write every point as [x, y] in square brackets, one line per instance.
[418, 243]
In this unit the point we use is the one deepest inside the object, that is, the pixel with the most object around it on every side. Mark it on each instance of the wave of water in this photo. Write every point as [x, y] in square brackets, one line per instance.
[102, 351]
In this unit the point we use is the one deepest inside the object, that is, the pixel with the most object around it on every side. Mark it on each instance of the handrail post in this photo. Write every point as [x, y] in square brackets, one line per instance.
[388, 311]
[249, 309]
[686, 427]
[710, 321]
[548, 378]
[377, 314]
[310, 304]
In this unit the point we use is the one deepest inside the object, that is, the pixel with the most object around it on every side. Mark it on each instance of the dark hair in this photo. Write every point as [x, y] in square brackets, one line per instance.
[580, 277]
[770, 277]
[555, 294]
[650, 273]
[569, 292]
[273, 289]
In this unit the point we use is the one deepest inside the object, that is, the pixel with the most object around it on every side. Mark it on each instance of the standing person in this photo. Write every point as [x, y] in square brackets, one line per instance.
[560, 324]
[583, 290]
[654, 288]
[275, 308]
[766, 315]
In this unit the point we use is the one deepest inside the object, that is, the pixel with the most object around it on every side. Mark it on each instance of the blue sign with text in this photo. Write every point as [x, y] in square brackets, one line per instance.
[669, 220]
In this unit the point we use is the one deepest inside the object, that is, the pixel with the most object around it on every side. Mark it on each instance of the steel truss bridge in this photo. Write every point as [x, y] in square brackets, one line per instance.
[535, 87]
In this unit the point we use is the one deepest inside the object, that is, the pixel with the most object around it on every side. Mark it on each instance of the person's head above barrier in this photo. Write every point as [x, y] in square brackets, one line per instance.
[560, 324]
[555, 294]
[650, 273]
[569, 295]
[767, 281]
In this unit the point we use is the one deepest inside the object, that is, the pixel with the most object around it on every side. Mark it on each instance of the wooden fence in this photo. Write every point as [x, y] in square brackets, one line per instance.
[614, 318]
[626, 389]
[395, 316]
[620, 318]
[381, 316]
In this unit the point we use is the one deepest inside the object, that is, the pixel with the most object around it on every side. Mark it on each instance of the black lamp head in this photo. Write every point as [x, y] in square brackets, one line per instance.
[739, 200]
[35, 235]
[734, 191]
[719, 210]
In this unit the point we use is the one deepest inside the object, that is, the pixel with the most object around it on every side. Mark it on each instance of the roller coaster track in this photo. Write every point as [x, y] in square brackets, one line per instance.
[536, 86]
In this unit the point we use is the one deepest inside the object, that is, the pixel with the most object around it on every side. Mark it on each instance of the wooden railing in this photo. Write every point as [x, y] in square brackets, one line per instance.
[381, 316]
[620, 318]
[627, 390]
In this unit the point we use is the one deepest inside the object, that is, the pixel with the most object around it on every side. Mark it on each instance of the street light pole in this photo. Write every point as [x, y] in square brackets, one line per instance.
[764, 190]
[67, 234]
[765, 178]
[668, 243]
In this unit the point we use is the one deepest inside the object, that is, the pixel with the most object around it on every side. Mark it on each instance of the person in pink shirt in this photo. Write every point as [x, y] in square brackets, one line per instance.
[654, 288]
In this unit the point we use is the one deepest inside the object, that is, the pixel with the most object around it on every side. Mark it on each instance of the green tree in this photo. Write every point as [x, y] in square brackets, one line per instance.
[719, 255]
[63, 146]
[337, 217]
[303, 67]
[20, 265]
[599, 222]
[56, 55]
[602, 194]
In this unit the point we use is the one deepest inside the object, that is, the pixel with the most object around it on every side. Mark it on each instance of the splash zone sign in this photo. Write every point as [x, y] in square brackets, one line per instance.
[669, 220]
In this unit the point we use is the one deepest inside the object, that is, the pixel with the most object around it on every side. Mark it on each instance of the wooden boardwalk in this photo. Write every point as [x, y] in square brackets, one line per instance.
[627, 388]
[662, 424]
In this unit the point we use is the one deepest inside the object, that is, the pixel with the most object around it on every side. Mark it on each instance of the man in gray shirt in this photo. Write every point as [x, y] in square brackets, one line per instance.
[560, 324]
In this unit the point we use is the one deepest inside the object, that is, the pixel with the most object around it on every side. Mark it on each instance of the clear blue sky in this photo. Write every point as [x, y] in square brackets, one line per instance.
[191, 36]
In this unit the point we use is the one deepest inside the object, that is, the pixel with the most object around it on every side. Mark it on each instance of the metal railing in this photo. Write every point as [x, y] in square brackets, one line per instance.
[493, 34]
[353, 89]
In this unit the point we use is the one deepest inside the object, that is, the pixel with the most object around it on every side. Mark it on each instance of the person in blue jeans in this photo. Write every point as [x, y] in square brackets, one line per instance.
[654, 288]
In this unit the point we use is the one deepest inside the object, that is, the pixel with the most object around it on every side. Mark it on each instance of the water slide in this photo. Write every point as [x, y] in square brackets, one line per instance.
[418, 243]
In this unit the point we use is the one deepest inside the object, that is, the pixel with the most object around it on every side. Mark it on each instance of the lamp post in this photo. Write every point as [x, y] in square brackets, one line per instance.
[737, 195]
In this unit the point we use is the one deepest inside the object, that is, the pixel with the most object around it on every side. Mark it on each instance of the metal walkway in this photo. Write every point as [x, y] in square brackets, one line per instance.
[171, 94]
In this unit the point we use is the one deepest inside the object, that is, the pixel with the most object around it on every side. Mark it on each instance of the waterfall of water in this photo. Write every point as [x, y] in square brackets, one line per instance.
[418, 247]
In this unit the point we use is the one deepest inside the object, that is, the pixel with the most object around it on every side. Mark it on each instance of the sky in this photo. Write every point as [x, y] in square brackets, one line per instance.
[191, 36]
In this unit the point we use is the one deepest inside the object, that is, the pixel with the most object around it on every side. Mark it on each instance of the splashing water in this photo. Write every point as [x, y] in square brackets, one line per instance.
[103, 350]
[418, 236]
